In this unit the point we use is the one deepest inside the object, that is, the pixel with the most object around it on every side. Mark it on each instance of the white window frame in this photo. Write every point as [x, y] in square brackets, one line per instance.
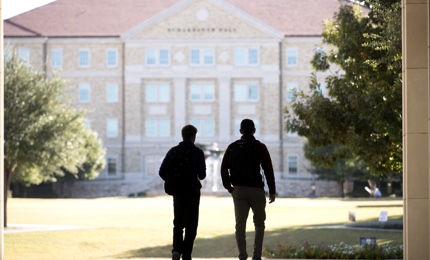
[112, 92]
[292, 90]
[24, 55]
[323, 89]
[202, 92]
[115, 159]
[160, 127]
[112, 61]
[57, 58]
[112, 128]
[242, 57]
[292, 56]
[156, 57]
[84, 87]
[242, 92]
[157, 92]
[289, 162]
[81, 52]
[203, 55]
[205, 126]
[151, 164]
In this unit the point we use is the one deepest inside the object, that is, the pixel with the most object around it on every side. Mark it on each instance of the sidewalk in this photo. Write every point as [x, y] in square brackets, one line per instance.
[21, 228]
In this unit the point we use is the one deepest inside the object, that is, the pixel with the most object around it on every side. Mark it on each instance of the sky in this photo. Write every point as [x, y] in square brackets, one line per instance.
[14, 7]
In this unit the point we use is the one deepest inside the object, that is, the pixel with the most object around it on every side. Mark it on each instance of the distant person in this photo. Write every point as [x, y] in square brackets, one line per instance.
[185, 191]
[240, 173]
[373, 190]
[377, 193]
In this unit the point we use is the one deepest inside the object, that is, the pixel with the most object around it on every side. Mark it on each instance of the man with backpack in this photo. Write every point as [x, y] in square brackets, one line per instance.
[182, 168]
[240, 173]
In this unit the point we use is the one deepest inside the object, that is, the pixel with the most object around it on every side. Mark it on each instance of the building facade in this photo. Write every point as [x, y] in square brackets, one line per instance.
[147, 71]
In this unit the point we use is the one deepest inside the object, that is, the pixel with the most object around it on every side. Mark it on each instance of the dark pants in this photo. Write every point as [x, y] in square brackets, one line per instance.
[186, 210]
[246, 198]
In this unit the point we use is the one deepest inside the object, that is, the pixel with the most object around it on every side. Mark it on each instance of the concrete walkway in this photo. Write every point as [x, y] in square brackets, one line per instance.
[22, 228]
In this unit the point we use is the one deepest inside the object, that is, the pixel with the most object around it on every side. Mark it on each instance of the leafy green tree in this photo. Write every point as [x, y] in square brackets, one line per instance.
[44, 136]
[362, 109]
[335, 162]
[94, 163]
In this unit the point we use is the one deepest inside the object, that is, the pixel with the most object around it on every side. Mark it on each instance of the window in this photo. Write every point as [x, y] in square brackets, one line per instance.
[245, 92]
[157, 128]
[56, 58]
[84, 58]
[164, 57]
[293, 164]
[292, 134]
[206, 127]
[151, 165]
[111, 166]
[112, 128]
[87, 123]
[202, 57]
[112, 92]
[24, 55]
[157, 92]
[292, 91]
[84, 93]
[323, 89]
[244, 57]
[292, 57]
[112, 58]
[6, 54]
[157, 57]
[202, 92]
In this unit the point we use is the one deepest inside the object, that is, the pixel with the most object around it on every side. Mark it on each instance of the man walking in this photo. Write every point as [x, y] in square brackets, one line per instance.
[186, 201]
[240, 173]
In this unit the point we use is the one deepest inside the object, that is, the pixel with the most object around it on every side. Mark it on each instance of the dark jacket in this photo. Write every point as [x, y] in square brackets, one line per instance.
[264, 161]
[197, 161]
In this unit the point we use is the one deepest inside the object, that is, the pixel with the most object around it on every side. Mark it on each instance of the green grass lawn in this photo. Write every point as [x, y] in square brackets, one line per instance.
[142, 227]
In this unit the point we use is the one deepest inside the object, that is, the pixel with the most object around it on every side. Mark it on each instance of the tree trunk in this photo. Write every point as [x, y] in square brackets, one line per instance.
[342, 188]
[7, 180]
[389, 186]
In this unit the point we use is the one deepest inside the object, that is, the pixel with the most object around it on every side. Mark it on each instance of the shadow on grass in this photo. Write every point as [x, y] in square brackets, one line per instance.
[221, 246]
[225, 245]
[380, 206]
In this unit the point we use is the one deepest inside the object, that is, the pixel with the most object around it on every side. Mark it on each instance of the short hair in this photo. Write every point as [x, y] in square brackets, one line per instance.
[247, 126]
[188, 132]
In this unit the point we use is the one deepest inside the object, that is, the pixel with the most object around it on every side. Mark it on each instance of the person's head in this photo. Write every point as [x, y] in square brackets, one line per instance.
[247, 126]
[189, 133]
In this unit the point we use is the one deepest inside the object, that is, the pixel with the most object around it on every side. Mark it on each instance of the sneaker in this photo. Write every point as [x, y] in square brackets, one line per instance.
[176, 256]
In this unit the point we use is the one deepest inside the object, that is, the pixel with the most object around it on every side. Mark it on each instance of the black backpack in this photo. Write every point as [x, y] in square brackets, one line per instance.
[179, 178]
[244, 164]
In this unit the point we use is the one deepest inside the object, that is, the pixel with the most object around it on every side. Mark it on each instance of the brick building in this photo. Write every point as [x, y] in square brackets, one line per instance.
[143, 69]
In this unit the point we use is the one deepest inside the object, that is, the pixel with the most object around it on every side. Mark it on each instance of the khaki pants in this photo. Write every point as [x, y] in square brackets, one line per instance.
[246, 198]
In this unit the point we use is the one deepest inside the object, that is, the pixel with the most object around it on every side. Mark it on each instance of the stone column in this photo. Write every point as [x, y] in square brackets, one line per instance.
[224, 108]
[415, 129]
[180, 106]
[1, 137]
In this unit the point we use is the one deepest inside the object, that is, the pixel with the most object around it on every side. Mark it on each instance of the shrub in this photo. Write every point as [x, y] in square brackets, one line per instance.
[340, 251]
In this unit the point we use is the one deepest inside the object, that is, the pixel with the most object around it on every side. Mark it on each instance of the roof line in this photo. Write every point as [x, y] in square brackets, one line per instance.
[23, 28]
[62, 36]
[301, 35]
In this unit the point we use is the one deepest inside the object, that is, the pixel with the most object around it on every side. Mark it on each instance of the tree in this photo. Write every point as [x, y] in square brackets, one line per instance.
[334, 162]
[363, 107]
[44, 136]
[94, 163]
